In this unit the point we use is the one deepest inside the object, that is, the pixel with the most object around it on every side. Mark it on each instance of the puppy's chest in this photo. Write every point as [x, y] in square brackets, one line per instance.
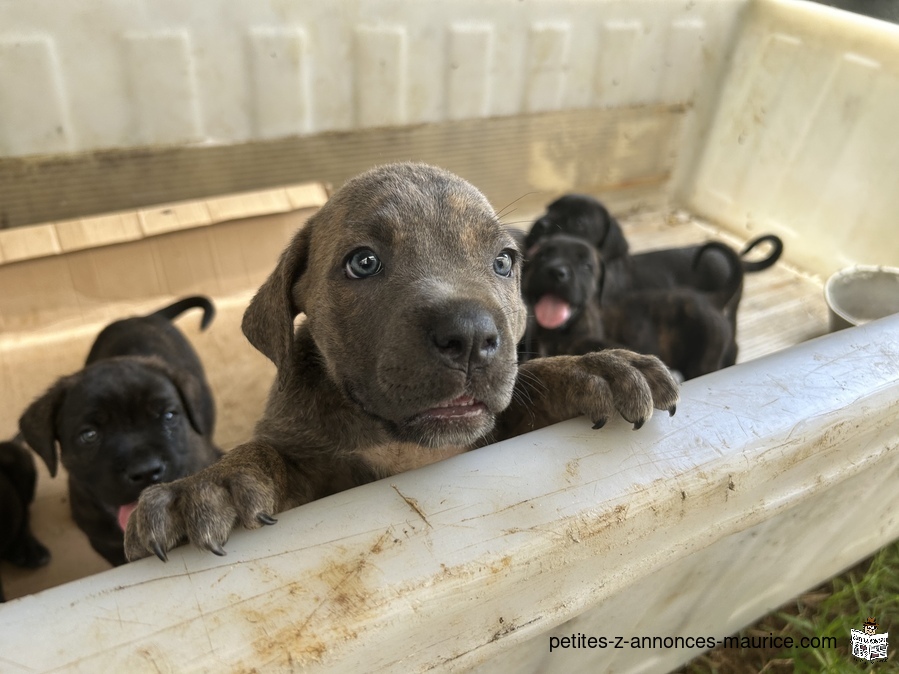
[398, 457]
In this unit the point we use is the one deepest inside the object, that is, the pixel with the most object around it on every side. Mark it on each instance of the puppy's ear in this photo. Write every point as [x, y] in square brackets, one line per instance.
[195, 399]
[268, 321]
[613, 244]
[200, 412]
[38, 423]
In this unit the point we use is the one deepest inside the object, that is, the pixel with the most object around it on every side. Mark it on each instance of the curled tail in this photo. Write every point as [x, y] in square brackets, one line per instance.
[197, 301]
[777, 247]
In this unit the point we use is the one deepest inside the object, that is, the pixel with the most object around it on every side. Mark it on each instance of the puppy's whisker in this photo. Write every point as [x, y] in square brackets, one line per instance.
[500, 212]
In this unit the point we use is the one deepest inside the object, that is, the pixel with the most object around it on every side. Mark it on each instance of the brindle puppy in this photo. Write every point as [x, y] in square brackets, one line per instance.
[584, 216]
[407, 355]
[562, 283]
[139, 413]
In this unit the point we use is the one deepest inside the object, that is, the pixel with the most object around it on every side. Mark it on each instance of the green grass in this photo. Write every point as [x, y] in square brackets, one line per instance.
[843, 603]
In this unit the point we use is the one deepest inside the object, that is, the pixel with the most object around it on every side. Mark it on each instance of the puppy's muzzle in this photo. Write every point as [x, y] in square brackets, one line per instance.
[145, 473]
[559, 272]
[463, 334]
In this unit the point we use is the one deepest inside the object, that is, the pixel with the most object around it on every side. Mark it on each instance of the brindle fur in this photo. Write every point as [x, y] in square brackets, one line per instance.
[585, 217]
[682, 326]
[357, 377]
[144, 395]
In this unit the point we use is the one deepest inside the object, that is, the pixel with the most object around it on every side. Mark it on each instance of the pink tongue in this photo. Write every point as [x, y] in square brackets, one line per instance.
[124, 513]
[552, 312]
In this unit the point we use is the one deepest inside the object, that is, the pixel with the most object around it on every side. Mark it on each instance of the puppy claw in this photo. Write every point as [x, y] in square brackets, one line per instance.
[217, 549]
[672, 410]
[157, 549]
[266, 519]
[639, 424]
[599, 424]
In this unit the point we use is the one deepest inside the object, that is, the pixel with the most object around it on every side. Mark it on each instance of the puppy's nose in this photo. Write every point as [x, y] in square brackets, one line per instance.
[465, 334]
[560, 272]
[147, 472]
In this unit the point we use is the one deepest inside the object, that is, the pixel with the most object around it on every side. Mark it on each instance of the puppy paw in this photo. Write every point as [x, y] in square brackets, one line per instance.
[595, 385]
[636, 383]
[28, 552]
[202, 509]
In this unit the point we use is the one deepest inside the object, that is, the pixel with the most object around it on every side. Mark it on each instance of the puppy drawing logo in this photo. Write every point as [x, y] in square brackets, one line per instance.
[867, 644]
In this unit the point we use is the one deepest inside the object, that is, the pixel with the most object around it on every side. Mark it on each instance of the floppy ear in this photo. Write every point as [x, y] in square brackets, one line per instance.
[613, 244]
[38, 423]
[196, 399]
[268, 321]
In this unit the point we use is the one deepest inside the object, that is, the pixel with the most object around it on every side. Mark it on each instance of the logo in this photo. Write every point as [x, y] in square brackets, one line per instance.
[867, 644]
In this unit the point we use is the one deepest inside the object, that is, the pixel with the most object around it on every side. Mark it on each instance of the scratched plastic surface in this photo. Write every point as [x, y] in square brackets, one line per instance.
[773, 475]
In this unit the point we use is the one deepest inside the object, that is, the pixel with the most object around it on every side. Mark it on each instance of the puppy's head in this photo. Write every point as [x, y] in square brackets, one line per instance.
[121, 424]
[411, 292]
[582, 216]
[562, 275]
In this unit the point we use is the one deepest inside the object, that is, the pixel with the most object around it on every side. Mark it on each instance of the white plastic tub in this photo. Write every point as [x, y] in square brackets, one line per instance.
[757, 116]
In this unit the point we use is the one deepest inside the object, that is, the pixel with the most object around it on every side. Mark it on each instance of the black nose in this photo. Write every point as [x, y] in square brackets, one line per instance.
[146, 472]
[559, 271]
[464, 333]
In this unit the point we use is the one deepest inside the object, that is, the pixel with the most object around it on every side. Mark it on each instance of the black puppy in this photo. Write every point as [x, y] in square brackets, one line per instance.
[17, 483]
[561, 284]
[139, 413]
[585, 217]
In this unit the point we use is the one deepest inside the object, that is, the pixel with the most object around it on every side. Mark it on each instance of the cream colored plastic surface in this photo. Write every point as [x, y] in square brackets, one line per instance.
[802, 140]
[773, 475]
[106, 74]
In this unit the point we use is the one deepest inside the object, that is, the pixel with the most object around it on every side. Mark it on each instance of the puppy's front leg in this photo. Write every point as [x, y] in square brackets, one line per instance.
[247, 486]
[550, 390]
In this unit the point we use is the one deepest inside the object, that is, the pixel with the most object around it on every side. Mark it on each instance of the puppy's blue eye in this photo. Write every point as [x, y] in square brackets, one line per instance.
[88, 436]
[362, 263]
[503, 263]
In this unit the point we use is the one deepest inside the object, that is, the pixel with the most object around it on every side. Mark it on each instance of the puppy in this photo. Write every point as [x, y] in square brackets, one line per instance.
[17, 483]
[407, 355]
[583, 216]
[139, 413]
[562, 282]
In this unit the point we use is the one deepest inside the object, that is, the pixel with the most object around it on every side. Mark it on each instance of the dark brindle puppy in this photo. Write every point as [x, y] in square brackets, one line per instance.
[407, 355]
[138, 414]
[562, 282]
[17, 482]
[583, 216]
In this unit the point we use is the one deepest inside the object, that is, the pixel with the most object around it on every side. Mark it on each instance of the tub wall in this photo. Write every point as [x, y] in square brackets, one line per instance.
[802, 139]
[773, 475]
[111, 106]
